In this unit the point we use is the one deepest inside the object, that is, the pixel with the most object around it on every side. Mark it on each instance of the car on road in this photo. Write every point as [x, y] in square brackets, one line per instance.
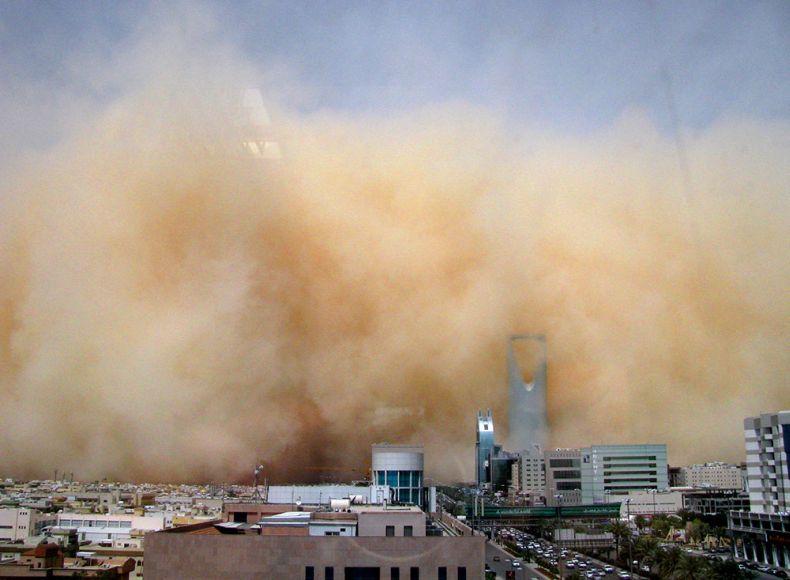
[496, 558]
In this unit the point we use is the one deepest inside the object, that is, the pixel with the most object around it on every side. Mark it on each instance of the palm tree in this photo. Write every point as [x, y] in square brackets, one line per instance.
[668, 562]
[691, 568]
[646, 550]
[620, 531]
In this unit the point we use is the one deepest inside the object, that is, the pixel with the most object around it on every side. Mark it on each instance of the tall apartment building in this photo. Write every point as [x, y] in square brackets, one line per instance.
[563, 476]
[763, 534]
[718, 475]
[607, 469]
[768, 462]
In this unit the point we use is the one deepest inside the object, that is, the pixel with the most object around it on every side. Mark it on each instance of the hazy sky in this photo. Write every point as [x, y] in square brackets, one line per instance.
[612, 174]
[571, 66]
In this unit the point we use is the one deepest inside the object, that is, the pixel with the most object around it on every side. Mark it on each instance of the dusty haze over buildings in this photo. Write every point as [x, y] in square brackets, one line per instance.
[169, 310]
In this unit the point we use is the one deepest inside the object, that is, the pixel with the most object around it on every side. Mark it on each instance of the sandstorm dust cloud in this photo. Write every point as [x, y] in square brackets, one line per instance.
[170, 311]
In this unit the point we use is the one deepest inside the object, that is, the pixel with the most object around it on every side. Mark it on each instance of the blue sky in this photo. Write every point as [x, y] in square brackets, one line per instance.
[571, 66]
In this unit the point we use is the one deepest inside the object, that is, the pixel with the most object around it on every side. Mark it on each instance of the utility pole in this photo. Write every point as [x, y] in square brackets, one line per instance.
[628, 517]
[558, 497]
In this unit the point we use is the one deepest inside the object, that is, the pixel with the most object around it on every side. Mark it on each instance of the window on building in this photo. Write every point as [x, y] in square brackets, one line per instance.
[309, 573]
[394, 573]
[461, 573]
[408, 530]
[329, 573]
[442, 573]
[414, 573]
[389, 531]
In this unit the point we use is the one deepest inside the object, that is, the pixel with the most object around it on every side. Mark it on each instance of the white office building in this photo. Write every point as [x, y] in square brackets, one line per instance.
[718, 475]
[613, 469]
[20, 522]
[529, 473]
[763, 534]
[767, 462]
[109, 527]
[647, 502]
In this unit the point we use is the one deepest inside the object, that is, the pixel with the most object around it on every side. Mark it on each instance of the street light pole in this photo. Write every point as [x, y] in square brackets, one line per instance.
[558, 497]
[654, 492]
[628, 518]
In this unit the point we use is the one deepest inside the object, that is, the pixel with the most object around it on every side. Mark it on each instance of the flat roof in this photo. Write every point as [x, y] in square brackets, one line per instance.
[376, 508]
[289, 515]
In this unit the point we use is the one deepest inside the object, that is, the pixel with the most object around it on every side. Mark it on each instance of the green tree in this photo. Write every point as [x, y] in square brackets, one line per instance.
[640, 521]
[660, 526]
[621, 533]
[691, 568]
[728, 570]
[646, 550]
[668, 562]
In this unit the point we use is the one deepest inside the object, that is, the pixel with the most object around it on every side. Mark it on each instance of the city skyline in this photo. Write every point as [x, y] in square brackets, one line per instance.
[611, 176]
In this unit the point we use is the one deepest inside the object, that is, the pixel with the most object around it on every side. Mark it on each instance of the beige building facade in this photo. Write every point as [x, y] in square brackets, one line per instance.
[176, 556]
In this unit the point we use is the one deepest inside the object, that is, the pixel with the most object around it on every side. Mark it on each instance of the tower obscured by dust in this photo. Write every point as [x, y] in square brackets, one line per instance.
[526, 367]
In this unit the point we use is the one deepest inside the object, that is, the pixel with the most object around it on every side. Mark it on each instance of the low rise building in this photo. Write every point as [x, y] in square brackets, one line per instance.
[19, 523]
[108, 527]
[647, 502]
[389, 544]
[317, 495]
[718, 475]
[48, 561]
[712, 501]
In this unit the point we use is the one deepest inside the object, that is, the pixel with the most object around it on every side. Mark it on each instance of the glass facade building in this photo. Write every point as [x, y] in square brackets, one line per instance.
[611, 469]
[484, 447]
[400, 467]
